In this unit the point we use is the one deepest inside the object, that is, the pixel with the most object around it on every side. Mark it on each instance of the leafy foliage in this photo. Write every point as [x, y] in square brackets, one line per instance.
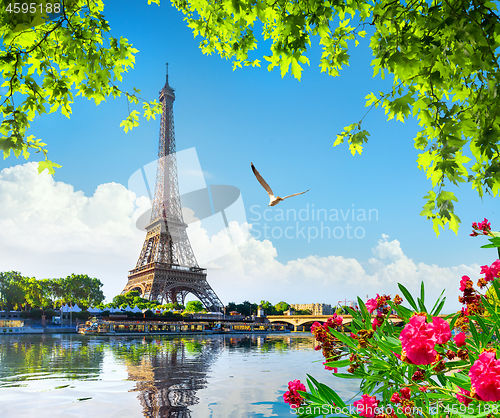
[281, 307]
[246, 308]
[442, 56]
[46, 61]
[17, 291]
[377, 361]
[133, 298]
[11, 290]
[194, 306]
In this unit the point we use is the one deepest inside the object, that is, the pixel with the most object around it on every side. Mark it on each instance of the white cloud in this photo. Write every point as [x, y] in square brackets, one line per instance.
[47, 229]
[254, 274]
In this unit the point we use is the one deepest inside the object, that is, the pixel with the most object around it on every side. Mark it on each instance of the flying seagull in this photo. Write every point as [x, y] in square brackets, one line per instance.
[274, 200]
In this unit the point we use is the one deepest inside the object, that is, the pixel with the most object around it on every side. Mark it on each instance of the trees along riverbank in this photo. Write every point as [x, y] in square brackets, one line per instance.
[19, 292]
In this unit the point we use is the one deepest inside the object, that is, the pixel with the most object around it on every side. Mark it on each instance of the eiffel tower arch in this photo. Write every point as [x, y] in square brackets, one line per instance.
[167, 269]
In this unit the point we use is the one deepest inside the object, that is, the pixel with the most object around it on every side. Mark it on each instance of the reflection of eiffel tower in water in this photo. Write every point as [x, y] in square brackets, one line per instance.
[167, 269]
[167, 382]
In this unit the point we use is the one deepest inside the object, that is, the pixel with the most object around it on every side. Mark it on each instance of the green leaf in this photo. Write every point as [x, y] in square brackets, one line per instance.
[439, 307]
[327, 394]
[346, 376]
[339, 363]
[47, 165]
[403, 313]
[434, 310]
[408, 296]
[495, 243]
[460, 380]
[364, 312]
[474, 333]
[343, 338]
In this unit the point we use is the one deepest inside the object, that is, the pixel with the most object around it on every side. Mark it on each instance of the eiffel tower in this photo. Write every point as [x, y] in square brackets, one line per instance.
[167, 269]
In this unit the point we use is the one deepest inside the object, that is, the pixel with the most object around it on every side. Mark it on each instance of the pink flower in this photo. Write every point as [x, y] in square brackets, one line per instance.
[366, 406]
[371, 304]
[485, 376]
[418, 339]
[484, 226]
[332, 322]
[459, 339]
[315, 325]
[395, 398]
[491, 272]
[405, 393]
[441, 330]
[377, 322]
[292, 397]
[464, 281]
[317, 348]
[462, 398]
[296, 385]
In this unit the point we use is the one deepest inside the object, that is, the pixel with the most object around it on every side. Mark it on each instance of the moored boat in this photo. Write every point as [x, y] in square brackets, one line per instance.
[157, 327]
[17, 326]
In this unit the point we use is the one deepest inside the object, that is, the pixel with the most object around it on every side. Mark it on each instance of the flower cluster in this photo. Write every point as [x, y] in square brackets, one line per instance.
[427, 350]
[481, 228]
[459, 339]
[366, 406]
[418, 338]
[363, 335]
[485, 376]
[464, 399]
[470, 298]
[327, 342]
[418, 375]
[379, 303]
[491, 273]
[292, 397]
[403, 398]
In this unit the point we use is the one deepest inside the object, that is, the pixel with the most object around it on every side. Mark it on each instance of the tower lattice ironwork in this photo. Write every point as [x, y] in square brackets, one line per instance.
[167, 269]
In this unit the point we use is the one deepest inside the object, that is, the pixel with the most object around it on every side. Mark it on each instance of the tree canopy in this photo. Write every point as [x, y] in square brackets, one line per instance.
[18, 291]
[48, 56]
[442, 57]
[194, 306]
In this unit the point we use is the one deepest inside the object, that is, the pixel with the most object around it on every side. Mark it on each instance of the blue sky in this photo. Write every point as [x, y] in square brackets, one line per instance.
[287, 129]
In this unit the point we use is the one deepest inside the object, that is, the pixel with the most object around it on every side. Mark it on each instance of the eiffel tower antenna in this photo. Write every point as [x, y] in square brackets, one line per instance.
[167, 269]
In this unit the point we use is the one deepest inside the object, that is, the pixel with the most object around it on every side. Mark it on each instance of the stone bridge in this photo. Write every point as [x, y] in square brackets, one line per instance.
[307, 320]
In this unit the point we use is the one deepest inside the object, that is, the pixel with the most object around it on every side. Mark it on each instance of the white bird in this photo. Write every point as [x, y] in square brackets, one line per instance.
[274, 200]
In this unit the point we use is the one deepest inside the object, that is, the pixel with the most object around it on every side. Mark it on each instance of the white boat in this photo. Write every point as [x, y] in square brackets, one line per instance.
[17, 326]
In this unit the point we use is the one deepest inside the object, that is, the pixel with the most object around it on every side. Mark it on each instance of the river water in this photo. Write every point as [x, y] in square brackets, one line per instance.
[219, 376]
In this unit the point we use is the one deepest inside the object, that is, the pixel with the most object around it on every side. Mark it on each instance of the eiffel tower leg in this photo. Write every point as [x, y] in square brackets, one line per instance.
[181, 296]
